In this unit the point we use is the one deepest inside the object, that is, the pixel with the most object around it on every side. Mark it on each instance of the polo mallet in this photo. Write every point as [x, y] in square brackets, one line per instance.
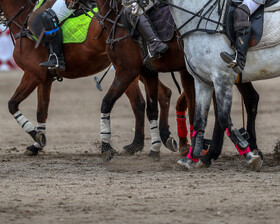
[98, 82]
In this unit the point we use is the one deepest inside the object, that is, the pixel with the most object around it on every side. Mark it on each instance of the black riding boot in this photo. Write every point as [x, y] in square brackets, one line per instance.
[155, 46]
[54, 41]
[242, 26]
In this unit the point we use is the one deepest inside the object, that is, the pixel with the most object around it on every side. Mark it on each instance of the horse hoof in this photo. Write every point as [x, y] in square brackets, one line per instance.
[184, 150]
[185, 162]
[31, 151]
[200, 164]
[258, 152]
[255, 163]
[41, 139]
[276, 154]
[154, 155]
[107, 152]
[171, 144]
[130, 150]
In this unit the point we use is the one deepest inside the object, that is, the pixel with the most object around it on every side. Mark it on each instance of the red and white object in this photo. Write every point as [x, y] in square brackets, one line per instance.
[6, 51]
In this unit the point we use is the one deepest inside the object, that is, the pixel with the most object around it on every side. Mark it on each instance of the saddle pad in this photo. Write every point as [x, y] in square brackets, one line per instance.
[163, 22]
[74, 29]
[271, 28]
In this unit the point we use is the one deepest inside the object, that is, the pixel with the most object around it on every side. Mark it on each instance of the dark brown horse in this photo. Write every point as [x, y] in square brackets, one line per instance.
[126, 57]
[127, 60]
[82, 60]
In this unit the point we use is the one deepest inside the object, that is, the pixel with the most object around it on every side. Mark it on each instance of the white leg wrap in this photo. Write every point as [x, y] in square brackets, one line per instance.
[105, 128]
[41, 127]
[155, 137]
[23, 122]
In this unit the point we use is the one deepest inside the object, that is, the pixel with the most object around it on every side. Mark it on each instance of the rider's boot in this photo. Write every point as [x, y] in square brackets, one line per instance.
[155, 47]
[242, 27]
[54, 41]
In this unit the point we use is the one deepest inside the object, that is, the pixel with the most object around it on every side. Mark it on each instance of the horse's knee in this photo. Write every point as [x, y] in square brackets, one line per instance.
[13, 106]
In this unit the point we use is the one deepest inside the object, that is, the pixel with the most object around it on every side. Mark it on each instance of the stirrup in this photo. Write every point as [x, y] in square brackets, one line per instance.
[234, 62]
[56, 58]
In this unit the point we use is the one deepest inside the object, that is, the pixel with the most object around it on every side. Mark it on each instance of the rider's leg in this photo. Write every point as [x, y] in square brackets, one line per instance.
[242, 27]
[53, 35]
[143, 25]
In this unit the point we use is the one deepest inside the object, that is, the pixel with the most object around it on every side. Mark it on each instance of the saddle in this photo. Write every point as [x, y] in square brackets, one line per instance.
[162, 23]
[257, 20]
[74, 28]
[161, 20]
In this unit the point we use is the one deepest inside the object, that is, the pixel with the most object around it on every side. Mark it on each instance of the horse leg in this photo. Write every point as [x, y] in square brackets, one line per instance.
[151, 87]
[120, 84]
[164, 96]
[27, 85]
[223, 92]
[185, 101]
[216, 143]
[203, 93]
[251, 100]
[43, 99]
[137, 103]
[182, 131]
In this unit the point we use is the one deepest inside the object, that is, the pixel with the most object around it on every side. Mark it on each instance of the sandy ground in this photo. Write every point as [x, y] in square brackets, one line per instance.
[69, 182]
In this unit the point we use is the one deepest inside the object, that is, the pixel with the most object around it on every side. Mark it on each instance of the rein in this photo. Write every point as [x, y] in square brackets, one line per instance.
[202, 15]
[113, 8]
[7, 22]
[113, 5]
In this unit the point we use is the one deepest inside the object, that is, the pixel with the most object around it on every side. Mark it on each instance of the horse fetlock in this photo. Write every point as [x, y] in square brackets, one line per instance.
[155, 136]
[23, 122]
[105, 128]
[238, 140]
[156, 146]
[171, 144]
[197, 144]
[164, 134]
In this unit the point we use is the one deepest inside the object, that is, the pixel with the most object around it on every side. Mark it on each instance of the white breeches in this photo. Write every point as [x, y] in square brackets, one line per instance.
[253, 6]
[61, 10]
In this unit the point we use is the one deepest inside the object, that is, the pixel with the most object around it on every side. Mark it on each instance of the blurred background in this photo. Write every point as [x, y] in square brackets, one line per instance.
[6, 50]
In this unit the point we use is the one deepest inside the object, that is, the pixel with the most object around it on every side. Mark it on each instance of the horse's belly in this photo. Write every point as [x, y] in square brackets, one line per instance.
[262, 64]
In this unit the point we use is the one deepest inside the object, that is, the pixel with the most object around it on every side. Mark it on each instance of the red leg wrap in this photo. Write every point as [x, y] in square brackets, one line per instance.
[181, 124]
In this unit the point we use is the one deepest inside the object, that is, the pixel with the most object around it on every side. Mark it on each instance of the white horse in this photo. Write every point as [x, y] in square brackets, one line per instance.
[211, 73]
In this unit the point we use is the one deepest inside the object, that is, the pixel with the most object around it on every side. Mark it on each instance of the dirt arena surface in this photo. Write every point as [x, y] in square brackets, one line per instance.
[69, 182]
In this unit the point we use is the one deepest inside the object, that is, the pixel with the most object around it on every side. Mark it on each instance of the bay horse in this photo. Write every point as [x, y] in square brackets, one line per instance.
[82, 60]
[126, 57]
